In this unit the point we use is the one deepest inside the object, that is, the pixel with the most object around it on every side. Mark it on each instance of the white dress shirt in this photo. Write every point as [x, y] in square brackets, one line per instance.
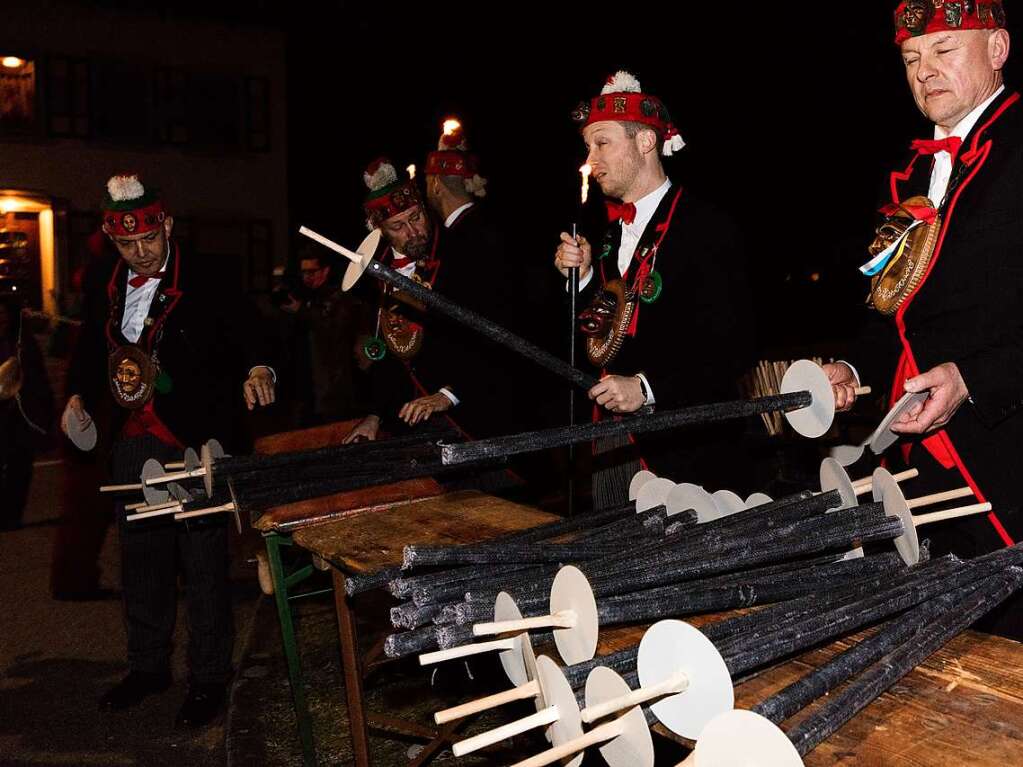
[941, 173]
[137, 302]
[632, 233]
[456, 213]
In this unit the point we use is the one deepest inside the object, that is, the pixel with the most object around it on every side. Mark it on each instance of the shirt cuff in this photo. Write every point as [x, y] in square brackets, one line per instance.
[855, 373]
[450, 395]
[583, 282]
[273, 373]
[645, 384]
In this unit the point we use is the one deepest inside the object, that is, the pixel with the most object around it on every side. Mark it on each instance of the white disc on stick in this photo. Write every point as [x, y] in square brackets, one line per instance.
[740, 738]
[571, 591]
[847, 455]
[639, 479]
[887, 491]
[512, 660]
[883, 436]
[634, 747]
[366, 250]
[834, 477]
[653, 493]
[689, 497]
[556, 691]
[154, 494]
[671, 646]
[191, 459]
[815, 419]
[84, 438]
[728, 503]
[758, 499]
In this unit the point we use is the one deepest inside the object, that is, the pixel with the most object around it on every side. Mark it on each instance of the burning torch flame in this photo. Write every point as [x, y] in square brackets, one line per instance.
[450, 126]
[585, 171]
[411, 169]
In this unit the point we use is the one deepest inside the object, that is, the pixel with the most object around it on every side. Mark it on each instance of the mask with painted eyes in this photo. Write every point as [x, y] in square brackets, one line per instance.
[605, 322]
[905, 270]
[132, 375]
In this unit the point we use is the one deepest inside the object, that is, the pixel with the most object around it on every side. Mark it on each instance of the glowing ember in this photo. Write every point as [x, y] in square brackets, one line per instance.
[450, 126]
[411, 170]
[585, 171]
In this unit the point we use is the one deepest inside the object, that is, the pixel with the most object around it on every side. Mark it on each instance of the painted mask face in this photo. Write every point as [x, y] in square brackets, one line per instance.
[129, 376]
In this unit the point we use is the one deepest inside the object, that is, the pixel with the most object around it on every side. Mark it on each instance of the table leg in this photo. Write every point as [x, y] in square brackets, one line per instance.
[352, 669]
[295, 679]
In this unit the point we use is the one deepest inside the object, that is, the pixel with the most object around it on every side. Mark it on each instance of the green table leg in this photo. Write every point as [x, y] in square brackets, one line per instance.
[274, 541]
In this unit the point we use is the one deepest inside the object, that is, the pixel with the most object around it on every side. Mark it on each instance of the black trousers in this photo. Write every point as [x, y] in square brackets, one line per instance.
[17, 454]
[151, 552]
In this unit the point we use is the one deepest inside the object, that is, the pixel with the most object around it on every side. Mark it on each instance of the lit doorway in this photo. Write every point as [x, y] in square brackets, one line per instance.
[28, 259]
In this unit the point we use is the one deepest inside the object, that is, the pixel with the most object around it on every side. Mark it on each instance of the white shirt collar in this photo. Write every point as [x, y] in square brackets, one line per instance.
[965, 125]
[646, 206]
[456, 213]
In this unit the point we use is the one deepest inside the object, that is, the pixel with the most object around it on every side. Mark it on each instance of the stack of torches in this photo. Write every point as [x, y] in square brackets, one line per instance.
[677, 550]
[211, 482]
[765, 380]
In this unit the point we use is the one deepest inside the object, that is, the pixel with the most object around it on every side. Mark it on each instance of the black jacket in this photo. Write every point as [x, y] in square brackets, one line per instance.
[475, 274]
[969, 310]
[211, 339]
[692, 343]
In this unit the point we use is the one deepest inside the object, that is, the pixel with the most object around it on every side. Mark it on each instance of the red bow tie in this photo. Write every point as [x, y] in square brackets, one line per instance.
[626, 211]
[933, 146]
[140, 279]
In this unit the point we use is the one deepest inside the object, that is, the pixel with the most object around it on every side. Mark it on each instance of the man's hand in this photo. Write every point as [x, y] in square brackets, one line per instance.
[75, 408]
[259, 388]
[619, 394]
[419, 410]
[365, 431]
[948, 391]
[573, 253]
[843, 384]
[292, 305]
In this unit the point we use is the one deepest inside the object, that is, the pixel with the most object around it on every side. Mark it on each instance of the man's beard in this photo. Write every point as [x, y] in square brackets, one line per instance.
[417, 249]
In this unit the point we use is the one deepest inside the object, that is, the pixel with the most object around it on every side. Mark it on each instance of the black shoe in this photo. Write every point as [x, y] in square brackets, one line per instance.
[202, 705]
[133, 689]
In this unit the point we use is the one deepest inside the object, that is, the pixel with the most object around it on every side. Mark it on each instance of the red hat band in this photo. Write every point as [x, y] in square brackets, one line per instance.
[625, 107]
[391, 201]
[451, 163]
[140, 220]
[914, 18]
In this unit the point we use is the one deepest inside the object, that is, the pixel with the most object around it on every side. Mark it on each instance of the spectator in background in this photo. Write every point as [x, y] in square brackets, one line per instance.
[26, 406]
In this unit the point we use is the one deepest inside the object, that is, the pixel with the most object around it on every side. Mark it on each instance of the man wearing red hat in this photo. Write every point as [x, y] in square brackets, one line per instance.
[957, 332]
[174, 348]
[667, 323]
[426, 365]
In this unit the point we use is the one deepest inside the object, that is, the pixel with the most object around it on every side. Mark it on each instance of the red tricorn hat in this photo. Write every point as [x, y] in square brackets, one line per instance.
[388, 195]
[453, 158]
[129, 209]
[622, 100]
[922, 17]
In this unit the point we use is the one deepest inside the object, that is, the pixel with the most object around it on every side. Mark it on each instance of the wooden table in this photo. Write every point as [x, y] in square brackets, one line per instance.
[278, 524]
[963, 706]
[371, 541]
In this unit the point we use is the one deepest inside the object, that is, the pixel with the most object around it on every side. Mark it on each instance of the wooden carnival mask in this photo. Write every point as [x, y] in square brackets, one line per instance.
[913, 249]
[132, 375]
[605, 322]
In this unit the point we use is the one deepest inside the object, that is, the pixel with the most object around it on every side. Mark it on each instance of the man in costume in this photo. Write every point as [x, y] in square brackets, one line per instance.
[173, 346]
[953, 284]
[666, 286]
[424, 364]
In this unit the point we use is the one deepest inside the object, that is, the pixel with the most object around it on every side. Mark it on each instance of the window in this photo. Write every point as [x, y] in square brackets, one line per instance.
[17, 95]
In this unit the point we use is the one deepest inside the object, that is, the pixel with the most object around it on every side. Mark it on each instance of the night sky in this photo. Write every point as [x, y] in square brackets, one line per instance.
[793, 115]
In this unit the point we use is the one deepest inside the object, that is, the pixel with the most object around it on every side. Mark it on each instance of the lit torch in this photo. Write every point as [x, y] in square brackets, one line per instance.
[585, 171]
[411, 169]
[450, 126]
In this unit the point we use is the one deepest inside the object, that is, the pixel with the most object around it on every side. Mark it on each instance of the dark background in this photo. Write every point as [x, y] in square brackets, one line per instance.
[793, 114]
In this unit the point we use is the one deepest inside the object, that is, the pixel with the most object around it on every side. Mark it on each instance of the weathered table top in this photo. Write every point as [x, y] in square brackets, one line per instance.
[369, 542]
[963, 706]
[292, 516]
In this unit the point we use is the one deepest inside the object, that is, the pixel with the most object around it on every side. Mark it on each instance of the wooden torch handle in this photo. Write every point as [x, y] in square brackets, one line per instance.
[948, 495]
[962, 511]
[542, 718]
[601, 734]
[566, 619]
[676, 683]
[527, 690]
[465, 651]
